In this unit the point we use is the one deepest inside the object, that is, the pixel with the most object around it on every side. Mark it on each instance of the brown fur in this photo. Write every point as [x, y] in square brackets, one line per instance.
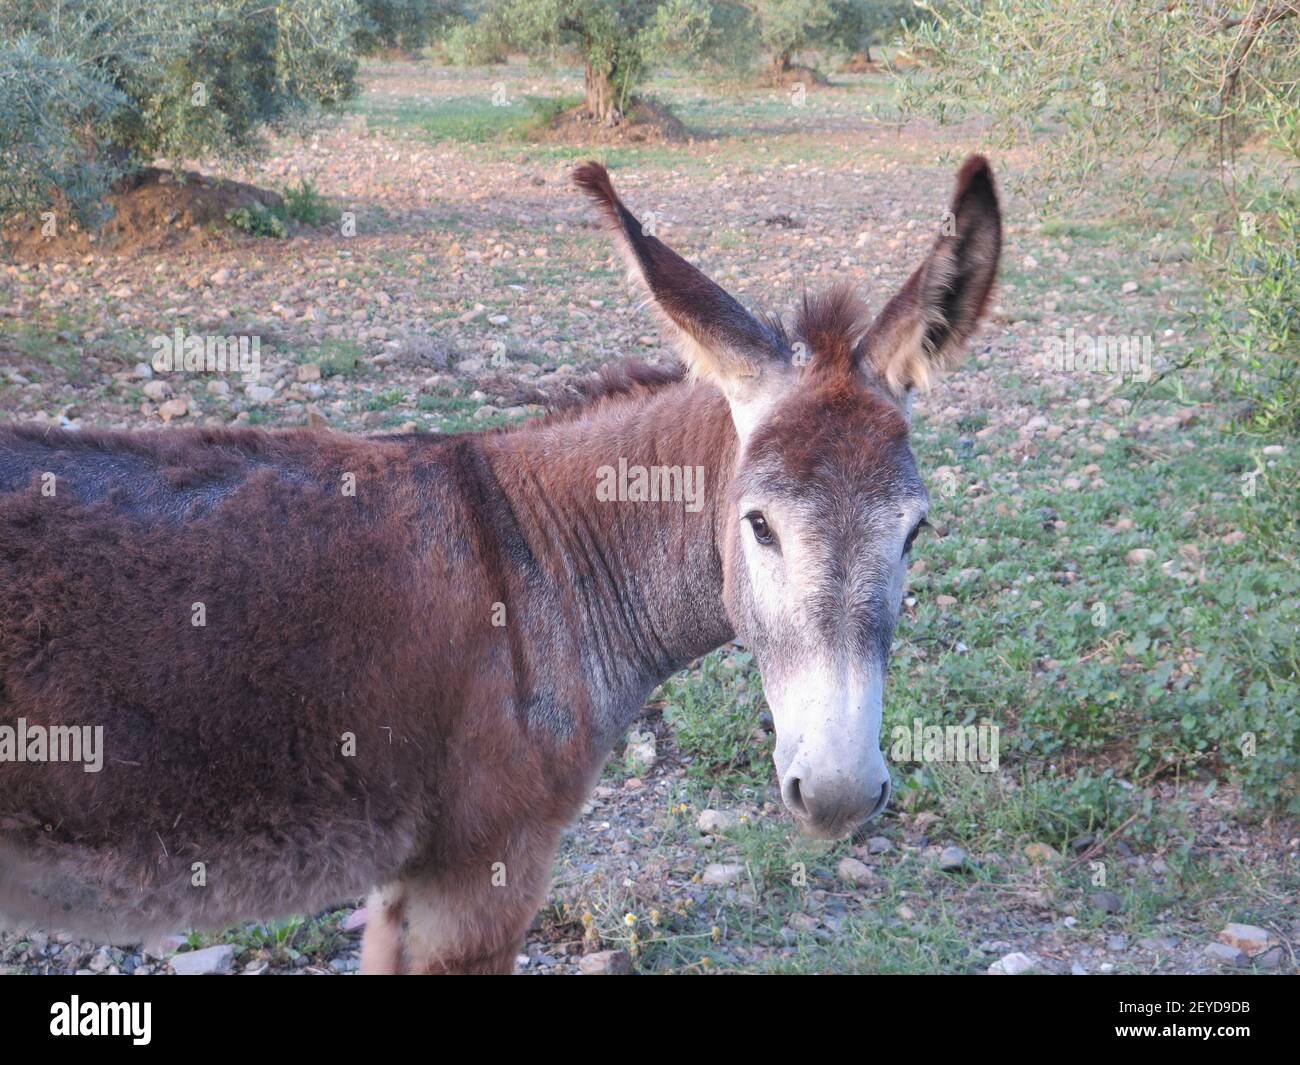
[328, 614]
[374, 618]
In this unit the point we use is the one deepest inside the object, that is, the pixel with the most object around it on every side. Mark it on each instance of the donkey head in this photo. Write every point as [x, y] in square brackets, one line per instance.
[826, 500]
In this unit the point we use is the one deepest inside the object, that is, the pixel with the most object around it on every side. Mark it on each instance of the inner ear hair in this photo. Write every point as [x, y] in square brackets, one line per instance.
[716, 337]
[925, 326]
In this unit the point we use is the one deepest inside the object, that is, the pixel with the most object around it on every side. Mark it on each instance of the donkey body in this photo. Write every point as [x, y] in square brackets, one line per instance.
[325, 664]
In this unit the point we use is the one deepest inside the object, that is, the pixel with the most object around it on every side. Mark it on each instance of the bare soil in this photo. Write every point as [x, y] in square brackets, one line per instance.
[153, 210]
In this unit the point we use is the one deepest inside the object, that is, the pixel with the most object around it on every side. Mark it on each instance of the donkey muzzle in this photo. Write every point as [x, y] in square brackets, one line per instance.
[830, 801]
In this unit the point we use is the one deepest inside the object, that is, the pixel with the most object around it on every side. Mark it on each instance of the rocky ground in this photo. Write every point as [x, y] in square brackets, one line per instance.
[462, 284]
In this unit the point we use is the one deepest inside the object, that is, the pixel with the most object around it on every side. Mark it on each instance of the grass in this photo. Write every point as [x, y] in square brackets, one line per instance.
[466, 119]
[1119, 726]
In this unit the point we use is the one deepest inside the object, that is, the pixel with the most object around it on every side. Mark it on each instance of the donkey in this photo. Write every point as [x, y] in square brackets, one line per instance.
[321, 665]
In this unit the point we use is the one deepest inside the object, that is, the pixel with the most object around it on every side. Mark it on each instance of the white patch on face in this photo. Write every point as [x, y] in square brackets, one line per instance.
[828, 758]
[827, 713]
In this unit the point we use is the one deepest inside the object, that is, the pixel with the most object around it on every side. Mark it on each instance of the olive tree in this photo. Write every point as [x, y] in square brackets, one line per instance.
[615, 41]
[91, 90]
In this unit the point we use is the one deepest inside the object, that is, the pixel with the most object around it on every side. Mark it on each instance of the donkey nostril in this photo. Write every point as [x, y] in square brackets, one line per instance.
[882, 800]
[792, 794]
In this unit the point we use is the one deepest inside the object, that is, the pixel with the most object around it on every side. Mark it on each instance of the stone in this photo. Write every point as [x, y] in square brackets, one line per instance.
[1139, 556]
[1041, 853]
[1247, 938]
[1106, 901]
[1013, 964]
[853, 871]
[712, 822]
[1225, 955]
[606, 963]
[157, 390]
[641, 750]
[308, 371]
[173, 408]
[210, 961]
[953, 860]
[720, 874]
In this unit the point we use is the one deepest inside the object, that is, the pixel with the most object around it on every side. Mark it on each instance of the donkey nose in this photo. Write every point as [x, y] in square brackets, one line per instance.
[834, 806]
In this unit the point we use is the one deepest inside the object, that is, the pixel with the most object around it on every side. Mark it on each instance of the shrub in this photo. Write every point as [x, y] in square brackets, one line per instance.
[1252, 318]
[90, 90]
[258, 221]
[408, 25]
[304, 204]
[1125, 99]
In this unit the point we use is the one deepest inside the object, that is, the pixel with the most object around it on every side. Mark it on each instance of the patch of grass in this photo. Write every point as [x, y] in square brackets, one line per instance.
[304, 204]
[384, 400]
[52, 342]
[1184, 664]
[714, 711]
[1091, 232]
[258, 220]
[545, 110]
[467, 119]
[336, 357]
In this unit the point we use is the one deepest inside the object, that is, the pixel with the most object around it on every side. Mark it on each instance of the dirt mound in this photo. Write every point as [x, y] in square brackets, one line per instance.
[918, 57]
[795, 75]
[860, 64]
[151, 209]
[646, 122]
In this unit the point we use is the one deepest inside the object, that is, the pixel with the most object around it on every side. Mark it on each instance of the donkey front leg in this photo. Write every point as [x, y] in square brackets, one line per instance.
[470, 919]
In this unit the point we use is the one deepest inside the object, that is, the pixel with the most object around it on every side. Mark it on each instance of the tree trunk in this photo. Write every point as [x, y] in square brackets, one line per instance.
[780, 63]
[600, 92]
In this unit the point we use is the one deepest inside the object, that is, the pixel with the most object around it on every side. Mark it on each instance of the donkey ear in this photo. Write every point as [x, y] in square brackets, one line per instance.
[716, 337]
[922, 329]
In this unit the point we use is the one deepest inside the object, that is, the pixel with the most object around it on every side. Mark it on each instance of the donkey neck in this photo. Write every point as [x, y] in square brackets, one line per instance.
[638, 580]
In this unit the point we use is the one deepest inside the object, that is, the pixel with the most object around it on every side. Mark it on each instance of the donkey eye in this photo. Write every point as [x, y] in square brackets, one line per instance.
[758, 523]
[911, 537]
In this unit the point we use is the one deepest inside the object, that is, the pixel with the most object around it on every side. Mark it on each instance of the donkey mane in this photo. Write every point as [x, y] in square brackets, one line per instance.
[628, 380]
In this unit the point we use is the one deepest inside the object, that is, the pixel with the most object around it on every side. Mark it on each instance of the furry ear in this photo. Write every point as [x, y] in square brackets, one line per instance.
[923, 328]
[715, 336]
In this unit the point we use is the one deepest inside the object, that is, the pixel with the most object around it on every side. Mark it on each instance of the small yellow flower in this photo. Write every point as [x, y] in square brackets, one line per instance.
[654, 917]
[704, 963]
[629, 919]
[715, 934]
[588, 920]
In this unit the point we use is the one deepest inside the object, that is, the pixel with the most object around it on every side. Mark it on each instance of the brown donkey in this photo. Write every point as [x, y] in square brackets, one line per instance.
[246, 674]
